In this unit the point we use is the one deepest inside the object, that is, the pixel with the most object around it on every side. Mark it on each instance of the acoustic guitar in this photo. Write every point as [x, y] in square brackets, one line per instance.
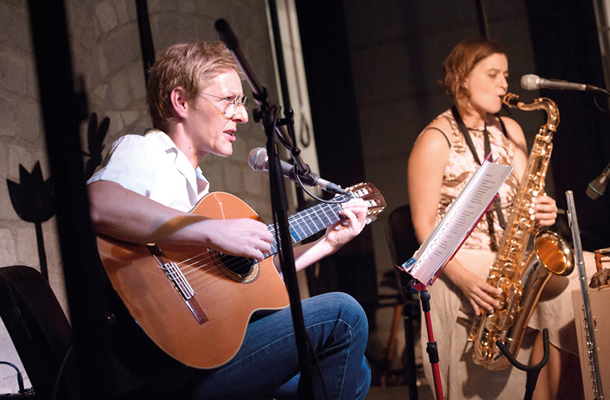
[195, 304]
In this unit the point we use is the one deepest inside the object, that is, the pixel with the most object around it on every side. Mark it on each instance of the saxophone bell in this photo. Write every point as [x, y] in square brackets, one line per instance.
[554, 253]
[551, 255]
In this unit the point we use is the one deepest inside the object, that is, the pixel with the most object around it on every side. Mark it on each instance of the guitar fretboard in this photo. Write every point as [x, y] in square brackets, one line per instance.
[308, 222]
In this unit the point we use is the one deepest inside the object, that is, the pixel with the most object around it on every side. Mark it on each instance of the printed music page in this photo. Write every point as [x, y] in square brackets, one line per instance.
[460, 219]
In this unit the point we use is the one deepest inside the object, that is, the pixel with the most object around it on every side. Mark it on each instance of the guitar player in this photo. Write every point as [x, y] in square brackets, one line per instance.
[145, 189]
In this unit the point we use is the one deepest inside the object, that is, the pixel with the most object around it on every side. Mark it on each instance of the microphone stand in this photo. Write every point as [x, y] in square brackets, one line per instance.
[267, 114]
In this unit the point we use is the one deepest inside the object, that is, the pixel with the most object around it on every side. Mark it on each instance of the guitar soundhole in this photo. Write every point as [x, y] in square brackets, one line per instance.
[240, 269]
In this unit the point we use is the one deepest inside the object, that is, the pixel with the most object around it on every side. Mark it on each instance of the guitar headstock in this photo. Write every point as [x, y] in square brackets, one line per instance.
[374, 199]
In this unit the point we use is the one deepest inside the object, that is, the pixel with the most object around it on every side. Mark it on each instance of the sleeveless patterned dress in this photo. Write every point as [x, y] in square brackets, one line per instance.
[460, 167]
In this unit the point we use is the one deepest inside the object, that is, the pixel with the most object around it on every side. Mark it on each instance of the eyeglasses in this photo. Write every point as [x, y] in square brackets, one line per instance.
[232, 104]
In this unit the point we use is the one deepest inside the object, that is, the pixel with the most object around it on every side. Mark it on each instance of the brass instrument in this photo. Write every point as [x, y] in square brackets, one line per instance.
[523, 265]
[601, 278]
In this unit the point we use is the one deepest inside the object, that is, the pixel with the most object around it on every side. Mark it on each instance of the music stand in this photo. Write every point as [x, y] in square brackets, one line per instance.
[431, 347]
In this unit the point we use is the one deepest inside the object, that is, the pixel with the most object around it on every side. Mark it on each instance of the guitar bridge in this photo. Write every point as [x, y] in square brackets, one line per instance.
[179, 281]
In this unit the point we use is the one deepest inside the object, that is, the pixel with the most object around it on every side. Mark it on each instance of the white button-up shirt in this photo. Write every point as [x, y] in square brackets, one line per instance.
[152, 166]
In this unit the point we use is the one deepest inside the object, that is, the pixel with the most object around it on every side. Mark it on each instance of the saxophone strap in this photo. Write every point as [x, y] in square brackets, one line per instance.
[487, 150]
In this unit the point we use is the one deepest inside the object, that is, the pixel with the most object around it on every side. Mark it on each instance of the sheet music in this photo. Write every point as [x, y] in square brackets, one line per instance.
[460, 219]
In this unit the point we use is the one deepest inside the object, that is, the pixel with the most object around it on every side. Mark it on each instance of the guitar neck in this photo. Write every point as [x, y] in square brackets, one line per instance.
[310, 221]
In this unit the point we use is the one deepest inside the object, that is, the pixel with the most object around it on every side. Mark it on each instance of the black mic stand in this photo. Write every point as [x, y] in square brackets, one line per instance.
[279, 203]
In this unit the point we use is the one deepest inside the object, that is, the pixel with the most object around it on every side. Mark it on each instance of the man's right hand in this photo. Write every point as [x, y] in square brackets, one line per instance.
[242, 237]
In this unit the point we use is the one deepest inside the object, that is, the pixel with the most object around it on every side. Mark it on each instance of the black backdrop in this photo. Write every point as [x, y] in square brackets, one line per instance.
[338, 141]
[566, 45]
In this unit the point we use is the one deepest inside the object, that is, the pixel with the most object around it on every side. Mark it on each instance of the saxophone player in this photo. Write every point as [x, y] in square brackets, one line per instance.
[446, 152]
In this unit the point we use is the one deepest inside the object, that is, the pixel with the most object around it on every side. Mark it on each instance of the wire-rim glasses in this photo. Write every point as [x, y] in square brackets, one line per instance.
[232, 104]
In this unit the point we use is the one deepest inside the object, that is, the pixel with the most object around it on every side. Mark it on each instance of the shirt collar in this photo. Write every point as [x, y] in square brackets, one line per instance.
[181, 161]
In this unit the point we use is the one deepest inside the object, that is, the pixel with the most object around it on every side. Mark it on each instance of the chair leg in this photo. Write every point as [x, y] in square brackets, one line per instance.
[390, 348]
[410, 366]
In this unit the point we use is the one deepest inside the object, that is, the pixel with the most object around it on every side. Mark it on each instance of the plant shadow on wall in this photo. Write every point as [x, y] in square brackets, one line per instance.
[32, 196]
[95, 138]
[32, 200]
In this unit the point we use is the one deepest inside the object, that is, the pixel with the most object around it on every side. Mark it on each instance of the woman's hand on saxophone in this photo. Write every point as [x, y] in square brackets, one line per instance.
[545, 210]
[475, 288]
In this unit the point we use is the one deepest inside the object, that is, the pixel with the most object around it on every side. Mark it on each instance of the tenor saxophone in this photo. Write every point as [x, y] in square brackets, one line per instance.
[527, 257]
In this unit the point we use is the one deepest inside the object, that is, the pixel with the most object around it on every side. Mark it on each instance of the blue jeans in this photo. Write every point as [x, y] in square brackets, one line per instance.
[267, 364]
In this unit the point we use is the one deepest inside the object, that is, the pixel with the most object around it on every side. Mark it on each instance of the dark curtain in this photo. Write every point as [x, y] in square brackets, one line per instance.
[566, 46]
[337, 134]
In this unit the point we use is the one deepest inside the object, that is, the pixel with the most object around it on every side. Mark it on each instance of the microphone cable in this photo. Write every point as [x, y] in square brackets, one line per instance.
[22, 393]
[339, 199]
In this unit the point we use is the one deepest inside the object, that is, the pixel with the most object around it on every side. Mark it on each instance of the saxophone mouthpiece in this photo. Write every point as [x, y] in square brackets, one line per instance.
[510, 99]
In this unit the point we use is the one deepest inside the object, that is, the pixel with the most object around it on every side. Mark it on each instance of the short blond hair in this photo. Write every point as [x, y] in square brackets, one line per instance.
[461, 61]
[190, 66]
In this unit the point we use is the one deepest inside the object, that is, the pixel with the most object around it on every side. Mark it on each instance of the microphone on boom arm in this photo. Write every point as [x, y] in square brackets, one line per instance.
[533, 82]
[258, 161]
[597, 187]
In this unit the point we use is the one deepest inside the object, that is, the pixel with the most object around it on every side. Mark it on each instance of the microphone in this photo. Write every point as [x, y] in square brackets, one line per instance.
[533, 82]
[226, 34]
[258, 161]
[597, 187]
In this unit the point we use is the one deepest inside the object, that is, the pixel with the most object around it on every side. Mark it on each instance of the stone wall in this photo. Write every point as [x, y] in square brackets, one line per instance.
[106, 54]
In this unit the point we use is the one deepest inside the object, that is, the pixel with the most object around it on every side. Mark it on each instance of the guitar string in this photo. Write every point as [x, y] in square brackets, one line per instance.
[299, 221]
[296, 221]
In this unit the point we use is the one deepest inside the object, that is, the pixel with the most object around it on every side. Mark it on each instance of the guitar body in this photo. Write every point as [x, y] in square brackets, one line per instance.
[205, 329]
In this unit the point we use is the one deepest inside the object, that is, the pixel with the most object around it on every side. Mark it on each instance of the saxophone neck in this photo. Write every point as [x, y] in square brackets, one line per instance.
[542, 103]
